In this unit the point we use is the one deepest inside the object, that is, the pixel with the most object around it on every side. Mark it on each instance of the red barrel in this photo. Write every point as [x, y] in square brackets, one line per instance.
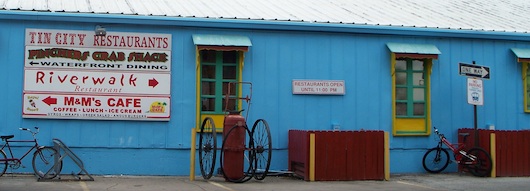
[234, 148]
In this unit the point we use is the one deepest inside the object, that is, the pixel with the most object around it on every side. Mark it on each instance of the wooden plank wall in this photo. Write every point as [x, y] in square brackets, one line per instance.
[339, 155]
[512, 150]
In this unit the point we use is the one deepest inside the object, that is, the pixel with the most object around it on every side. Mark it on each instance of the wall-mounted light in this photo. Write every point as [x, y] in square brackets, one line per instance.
[100, 31]
[491, 126]
[335, 127]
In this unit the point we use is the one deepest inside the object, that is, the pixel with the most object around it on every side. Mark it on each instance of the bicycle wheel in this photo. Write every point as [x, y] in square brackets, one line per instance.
[480, 167]
[44, 164]
[3, 162]
[207, 148]
[234, 151]
[261, 135]
[435, 160]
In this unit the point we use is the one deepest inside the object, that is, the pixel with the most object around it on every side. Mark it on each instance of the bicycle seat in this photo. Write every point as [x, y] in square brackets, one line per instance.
[235, 112]
[7, 137]
[463, 134]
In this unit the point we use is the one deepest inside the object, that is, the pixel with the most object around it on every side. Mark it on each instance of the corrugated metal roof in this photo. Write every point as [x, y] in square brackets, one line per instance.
[483, 15]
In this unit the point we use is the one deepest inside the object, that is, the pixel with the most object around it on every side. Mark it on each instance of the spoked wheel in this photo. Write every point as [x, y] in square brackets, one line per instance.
[435, 160]
[235, 151]
[44, 163]
[207, 148]
[3, 162]
[261, 135]
[482, 164]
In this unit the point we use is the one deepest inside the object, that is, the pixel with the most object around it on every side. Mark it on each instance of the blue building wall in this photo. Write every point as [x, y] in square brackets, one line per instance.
[278, 55]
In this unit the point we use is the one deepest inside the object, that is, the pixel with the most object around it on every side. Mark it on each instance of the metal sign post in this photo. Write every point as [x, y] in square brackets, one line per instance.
[475, 97]
[475, 89]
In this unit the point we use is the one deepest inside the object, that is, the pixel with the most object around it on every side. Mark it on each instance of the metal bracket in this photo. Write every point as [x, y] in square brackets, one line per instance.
[65, 151]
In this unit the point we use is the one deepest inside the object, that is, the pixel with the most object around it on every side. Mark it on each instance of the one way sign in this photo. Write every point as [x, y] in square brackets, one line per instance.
[474, 70]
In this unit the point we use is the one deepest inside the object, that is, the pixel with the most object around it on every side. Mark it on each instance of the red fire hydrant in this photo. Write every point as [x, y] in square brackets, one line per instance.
[234, 146]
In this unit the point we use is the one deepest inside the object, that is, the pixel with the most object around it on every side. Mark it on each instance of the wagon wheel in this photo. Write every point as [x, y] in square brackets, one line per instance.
[207, 148]
[261, 135]
[237, 144]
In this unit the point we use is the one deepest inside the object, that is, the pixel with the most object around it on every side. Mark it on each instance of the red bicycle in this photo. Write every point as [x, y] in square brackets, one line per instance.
[476, 160]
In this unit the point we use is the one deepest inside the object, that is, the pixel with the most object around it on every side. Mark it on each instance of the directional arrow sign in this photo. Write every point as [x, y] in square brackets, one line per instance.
[50, 100]
[474, 70]
[153, 82]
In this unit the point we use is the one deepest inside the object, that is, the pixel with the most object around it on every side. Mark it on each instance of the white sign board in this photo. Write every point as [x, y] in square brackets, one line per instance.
[96, 82]
[88, 39]
[319, 87]
[475, 92]
[95, 107]
[97, 59]
[76, 74]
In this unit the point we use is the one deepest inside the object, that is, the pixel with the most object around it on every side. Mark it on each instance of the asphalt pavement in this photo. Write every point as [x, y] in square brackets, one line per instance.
[412, 182]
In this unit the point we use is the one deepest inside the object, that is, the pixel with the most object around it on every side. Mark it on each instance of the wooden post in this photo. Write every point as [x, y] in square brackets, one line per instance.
[192, 154]
[493, 154]
[387, 156]
[312, 157]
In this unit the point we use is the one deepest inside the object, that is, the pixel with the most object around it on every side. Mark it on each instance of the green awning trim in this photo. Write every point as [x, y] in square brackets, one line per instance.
[521, 53]
[413, 48]
[221, 40]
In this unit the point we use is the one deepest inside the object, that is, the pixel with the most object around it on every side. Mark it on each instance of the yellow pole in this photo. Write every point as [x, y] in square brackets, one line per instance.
[493, 146]
[312, 157]
[387, 156]
[192, 154]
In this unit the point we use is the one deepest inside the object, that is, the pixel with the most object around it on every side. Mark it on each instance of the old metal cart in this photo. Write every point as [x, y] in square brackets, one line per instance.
[245, 152]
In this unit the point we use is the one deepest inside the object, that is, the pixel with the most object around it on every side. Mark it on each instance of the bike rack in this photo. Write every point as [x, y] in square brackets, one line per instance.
[60, 147]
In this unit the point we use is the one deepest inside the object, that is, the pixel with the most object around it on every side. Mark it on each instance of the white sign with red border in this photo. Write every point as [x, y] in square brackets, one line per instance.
[97, 59]
[94, 82]
[88, 39]
[319, 87]
[71, 74]
[96, 107]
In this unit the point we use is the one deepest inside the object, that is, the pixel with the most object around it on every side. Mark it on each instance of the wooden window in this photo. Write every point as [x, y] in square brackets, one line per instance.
[411, 84]
[523, 57]
[410, 89]
[218, 68]
[526, 88]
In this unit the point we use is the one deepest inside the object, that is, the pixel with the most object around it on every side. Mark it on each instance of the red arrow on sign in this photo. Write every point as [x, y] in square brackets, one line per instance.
[49, 100]
[153, 82]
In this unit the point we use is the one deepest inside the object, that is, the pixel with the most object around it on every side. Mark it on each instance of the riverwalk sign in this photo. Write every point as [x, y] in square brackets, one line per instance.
[473, 70]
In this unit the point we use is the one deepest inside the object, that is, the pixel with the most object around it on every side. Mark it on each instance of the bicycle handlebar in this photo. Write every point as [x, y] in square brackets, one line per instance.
[32, 132]
[438, 133]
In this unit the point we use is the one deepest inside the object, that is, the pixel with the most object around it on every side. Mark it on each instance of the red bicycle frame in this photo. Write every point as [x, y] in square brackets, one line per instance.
[458, 149]
[19, 160]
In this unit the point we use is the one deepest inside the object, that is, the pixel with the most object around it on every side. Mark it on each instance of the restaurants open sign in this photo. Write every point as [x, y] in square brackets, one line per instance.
[319, 87]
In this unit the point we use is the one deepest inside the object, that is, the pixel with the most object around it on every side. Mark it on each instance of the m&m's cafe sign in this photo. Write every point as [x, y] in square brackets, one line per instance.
[77, 75]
